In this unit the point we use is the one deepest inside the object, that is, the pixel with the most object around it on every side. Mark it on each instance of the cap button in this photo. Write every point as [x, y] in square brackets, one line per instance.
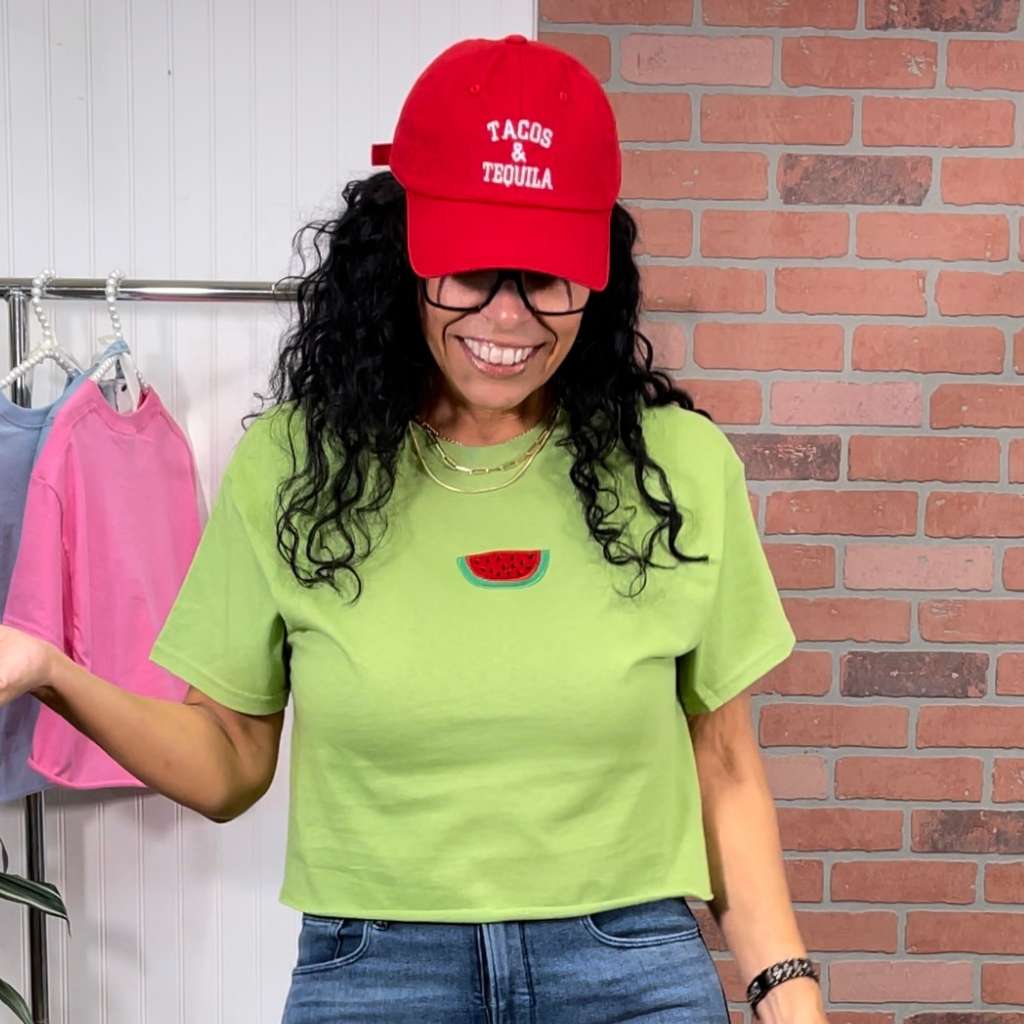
[515, 39]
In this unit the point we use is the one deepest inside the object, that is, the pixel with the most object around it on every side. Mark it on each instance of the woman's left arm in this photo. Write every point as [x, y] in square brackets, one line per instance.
[751, 903]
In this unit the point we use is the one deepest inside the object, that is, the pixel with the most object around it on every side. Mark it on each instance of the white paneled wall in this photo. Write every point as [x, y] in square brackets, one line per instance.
[186, 139]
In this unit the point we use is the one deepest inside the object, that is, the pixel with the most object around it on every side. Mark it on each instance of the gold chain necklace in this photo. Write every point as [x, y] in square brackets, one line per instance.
[483, 490]
[528, 454]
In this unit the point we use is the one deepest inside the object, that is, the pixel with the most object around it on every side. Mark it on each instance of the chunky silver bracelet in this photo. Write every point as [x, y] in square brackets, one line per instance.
[784, 970]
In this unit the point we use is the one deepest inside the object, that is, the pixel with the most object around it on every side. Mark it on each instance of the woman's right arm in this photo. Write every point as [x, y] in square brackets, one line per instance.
[198, 753]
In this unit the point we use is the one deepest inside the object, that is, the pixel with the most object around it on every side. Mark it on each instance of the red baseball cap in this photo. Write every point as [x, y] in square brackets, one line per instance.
[508, 153]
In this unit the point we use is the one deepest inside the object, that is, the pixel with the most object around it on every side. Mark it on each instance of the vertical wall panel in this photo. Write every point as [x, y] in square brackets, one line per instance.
[189, 139]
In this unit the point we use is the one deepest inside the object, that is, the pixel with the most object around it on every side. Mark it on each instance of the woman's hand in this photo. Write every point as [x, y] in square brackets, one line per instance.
[26, 663]
[797, 1001]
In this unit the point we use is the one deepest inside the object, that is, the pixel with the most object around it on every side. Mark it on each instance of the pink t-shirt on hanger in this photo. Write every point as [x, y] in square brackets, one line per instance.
[111, 524]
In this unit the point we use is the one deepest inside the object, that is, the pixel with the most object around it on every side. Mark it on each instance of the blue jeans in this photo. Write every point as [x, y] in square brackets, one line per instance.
[642, 963]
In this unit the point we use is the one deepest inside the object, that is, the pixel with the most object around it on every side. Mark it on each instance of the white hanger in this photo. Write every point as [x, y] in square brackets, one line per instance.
[49, 349]
[130, 371]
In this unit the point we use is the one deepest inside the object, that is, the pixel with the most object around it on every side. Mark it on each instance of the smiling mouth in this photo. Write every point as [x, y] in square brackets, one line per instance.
[498, 355]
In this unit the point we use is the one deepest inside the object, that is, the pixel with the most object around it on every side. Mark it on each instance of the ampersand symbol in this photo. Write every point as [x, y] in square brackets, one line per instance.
[517, 153]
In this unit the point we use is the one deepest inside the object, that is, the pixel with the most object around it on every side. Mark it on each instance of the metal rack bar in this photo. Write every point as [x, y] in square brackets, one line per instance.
[16, 291]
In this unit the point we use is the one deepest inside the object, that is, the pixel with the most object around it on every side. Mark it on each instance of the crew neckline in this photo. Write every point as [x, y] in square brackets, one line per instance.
[123, 422]
[29, 418]
[481, 454]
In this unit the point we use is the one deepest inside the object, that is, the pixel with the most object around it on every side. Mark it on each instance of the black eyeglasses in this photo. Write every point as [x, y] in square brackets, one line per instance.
[472, 290]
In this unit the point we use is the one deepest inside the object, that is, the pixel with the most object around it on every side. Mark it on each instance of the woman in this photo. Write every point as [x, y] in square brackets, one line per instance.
[508, 768]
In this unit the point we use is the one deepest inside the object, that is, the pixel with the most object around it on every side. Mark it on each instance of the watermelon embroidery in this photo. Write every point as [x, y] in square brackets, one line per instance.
[504, 568]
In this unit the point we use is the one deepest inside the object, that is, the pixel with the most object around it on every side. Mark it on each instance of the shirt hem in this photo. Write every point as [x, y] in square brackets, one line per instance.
[179, 665]
[129, 783]
[746, 677]
[474, 915]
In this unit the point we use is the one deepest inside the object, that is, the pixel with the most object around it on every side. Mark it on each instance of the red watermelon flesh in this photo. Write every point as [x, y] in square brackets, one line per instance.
[509, 566]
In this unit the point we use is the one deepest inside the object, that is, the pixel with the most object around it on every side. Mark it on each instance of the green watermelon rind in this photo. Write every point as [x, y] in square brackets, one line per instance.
[534, 577]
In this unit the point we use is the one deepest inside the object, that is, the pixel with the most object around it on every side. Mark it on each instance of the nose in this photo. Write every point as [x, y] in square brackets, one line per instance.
[507, 306]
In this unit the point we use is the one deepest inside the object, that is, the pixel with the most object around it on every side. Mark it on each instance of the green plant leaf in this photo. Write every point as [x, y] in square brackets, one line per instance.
[41, 895]
[9, 997]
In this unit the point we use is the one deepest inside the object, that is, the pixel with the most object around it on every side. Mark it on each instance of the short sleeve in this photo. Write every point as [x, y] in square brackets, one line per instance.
[746, 632]
[39, 595]
[224, 634]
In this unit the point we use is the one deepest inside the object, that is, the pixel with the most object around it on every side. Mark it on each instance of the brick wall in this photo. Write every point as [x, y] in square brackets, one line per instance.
[830, 196]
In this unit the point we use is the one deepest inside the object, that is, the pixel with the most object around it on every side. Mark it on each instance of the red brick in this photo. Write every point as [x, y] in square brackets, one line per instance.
[932, 348]
[978, 405]
[796, 777]
[933, 236]
[976, 621]
[682, 174]
[839, 828]
[908, 778]
[728, 401]
[845, 290]
[652, 116]
[1004, 883]
[982, 179]
[901, 981]
[765, 346]
[1003, 983]
[809, 403]
[904, 881]
[849, 63]
[752, 234]
[856, 513]
[805, 879]
[966, 293]
[985, 64]
[848, 618]
[974, 514]
[1017, 462]
[833, 725]
[662, 231]
[1018, 340]
[853, 180]
[963, 831]
[951, 459]
[668, 341]
[703, 289]
[593, 51]
[952, 725]
[1013, 569]
[918, 567]
[621, 12]
[792, 14]
[651, 59]
[895, 121]
[948, 931]
[789, 456]
[794, 120]
[873, 931]
[802, 566]
[1010, 674]
[802, 674]
[901, 674]
[1008, 784]
[944, 15]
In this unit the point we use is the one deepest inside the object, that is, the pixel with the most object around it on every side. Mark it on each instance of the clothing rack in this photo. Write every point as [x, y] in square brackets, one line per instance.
[16, 291]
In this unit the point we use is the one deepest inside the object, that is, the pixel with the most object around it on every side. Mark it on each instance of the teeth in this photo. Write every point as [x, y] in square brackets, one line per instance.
[496, 354]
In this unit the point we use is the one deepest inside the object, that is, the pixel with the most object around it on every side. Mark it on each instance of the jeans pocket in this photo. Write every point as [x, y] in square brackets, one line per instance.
[329, 942]
[643, 924]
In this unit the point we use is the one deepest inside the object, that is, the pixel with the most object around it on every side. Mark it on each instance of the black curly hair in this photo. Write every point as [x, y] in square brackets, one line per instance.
[357, 369]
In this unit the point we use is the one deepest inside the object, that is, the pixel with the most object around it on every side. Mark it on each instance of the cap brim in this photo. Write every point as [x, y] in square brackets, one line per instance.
[447, 236]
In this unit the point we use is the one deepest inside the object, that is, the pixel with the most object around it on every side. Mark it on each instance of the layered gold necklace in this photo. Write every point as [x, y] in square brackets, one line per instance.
[525, 458]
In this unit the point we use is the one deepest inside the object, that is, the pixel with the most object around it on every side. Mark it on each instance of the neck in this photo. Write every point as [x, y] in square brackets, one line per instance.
[473, 425]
